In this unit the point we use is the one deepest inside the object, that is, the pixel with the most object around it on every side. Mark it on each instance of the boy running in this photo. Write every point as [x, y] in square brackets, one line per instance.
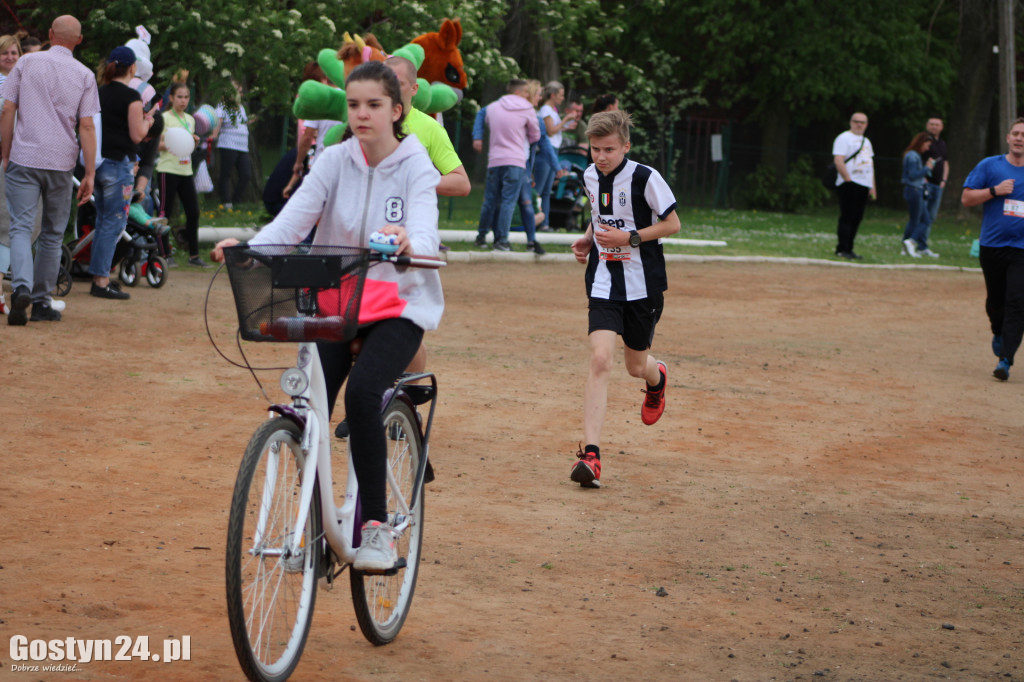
[632, 209]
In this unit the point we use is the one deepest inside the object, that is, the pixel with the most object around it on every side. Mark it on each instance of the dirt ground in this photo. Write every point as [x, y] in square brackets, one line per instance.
[833, 493]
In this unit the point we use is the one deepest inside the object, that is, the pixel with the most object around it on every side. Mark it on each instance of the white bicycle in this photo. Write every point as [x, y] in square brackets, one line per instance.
[286, 534]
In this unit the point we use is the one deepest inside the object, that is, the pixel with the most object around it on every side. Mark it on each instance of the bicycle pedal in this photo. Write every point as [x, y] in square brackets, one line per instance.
[399, 565]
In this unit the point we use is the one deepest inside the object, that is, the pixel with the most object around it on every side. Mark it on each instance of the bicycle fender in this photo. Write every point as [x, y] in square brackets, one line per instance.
[289, 413]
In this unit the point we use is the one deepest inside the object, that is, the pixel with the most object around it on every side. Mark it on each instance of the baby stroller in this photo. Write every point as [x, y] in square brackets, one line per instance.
[142, 256]
[136, 254]
[568, 198]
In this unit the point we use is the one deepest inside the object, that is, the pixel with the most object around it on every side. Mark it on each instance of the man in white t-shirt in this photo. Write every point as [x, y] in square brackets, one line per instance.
[855, 163]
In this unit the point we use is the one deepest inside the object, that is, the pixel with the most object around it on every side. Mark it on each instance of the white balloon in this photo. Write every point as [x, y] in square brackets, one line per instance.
[179, 142]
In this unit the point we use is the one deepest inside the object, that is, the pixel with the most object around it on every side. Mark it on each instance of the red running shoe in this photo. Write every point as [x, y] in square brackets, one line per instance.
[654, 403]
[587, 470]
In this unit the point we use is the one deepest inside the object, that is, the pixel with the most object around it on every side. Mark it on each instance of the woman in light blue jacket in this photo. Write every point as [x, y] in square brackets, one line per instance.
[915, 234]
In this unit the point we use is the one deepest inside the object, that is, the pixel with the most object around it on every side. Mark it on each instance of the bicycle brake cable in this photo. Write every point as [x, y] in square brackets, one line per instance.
[238, 341]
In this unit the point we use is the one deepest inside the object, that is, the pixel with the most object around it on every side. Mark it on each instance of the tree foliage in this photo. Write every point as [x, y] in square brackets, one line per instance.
[781, 65]
[266, 43]
[819, 58]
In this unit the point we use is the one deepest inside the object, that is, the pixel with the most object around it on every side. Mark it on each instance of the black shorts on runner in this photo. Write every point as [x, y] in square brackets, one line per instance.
[634, 321]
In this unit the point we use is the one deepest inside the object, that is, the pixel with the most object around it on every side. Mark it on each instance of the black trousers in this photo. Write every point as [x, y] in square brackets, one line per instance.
[388, 348]
[231, 160]
[1003, 267]
[852, 198]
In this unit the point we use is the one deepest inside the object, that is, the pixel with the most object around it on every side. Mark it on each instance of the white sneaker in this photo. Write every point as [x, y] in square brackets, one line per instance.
[929, 253]
[57, 304]
[377, 552]
[910, 248]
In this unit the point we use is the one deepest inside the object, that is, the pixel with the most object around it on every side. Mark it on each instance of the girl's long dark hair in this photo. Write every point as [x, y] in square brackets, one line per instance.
[379, 72]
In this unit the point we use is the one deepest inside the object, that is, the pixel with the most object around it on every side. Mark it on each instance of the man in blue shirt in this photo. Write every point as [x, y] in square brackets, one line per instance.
[998, 183]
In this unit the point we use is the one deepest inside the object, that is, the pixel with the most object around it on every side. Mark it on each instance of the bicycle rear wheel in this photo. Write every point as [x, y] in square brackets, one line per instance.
[382, 601]
[271, 591]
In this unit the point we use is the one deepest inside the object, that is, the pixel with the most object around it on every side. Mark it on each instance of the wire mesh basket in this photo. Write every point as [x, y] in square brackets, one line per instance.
[297, 293]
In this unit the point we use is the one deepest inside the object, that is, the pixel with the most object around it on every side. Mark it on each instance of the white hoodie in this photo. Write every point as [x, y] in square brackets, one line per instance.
[350, 200]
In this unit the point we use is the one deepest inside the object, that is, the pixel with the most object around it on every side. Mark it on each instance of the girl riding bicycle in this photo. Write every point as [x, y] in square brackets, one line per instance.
[376, 180]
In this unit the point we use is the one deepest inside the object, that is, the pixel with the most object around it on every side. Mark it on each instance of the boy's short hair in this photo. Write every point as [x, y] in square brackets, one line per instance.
[608, 123]
[515, 85]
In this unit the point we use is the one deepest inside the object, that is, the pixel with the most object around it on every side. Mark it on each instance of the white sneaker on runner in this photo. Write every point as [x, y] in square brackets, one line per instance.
[377, 551]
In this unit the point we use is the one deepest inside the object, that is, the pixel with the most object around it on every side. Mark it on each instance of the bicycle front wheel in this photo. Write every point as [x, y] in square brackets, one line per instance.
[382, 601]
[271, 589]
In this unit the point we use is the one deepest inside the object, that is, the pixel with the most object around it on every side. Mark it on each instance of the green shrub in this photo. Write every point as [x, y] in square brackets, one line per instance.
[761, 190]
[801, 188]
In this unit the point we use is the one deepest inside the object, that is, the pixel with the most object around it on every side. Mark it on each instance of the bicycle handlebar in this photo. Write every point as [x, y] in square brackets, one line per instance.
[411, 261]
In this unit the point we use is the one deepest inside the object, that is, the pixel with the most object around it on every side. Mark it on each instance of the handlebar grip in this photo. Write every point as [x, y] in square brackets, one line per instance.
[423, 262]
[412, 261]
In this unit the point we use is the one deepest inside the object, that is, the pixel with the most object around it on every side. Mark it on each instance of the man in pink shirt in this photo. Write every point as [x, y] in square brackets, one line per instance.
[513, 126]
[51, 92]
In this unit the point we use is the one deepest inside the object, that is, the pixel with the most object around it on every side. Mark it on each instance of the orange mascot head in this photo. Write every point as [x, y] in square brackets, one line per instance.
[442, 62]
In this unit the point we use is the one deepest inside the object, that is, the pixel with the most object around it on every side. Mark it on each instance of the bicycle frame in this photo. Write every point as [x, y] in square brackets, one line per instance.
[309, 411]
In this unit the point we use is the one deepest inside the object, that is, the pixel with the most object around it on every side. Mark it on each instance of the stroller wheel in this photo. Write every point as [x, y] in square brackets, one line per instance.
[156, 271]
[63, 282]
[129, 273]
[65, 257]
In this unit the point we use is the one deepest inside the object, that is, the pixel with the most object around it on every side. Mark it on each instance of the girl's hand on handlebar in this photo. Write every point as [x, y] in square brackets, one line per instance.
[217, 254]
[403, 238]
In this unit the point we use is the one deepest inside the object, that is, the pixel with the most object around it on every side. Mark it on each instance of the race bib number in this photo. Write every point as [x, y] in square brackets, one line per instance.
[615, 253]
[1013, 207]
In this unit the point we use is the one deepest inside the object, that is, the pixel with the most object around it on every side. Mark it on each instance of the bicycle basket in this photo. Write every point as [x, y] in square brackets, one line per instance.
[297, 293]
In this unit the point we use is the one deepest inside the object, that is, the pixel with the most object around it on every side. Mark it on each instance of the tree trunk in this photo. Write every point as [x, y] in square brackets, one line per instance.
[976, 94]
[531, 46]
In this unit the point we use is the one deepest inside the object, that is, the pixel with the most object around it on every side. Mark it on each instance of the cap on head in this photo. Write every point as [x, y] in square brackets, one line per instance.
[122, 56]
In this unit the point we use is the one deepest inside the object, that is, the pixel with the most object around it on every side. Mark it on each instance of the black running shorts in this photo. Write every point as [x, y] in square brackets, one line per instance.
[634, 321]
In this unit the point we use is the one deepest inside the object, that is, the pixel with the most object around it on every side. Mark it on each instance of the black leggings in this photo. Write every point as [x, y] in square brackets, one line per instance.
[388, 348]
[1003, 267]
[182, 187]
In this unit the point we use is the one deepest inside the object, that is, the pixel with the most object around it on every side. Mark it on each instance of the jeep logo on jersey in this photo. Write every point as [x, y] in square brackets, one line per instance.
[612, 222]
[394, 210]
[622, 198]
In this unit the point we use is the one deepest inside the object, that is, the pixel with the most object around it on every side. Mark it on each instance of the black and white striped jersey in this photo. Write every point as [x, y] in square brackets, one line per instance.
[631, 197]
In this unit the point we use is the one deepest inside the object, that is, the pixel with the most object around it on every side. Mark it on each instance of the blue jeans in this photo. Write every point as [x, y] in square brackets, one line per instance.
[526, 207]
[114, 183]
[507, 180]
[917, 226]
[544, 176]
[490, 205]
[933, 197]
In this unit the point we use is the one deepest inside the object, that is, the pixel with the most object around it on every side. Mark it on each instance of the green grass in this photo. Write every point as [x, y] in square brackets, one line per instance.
[747, 233]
